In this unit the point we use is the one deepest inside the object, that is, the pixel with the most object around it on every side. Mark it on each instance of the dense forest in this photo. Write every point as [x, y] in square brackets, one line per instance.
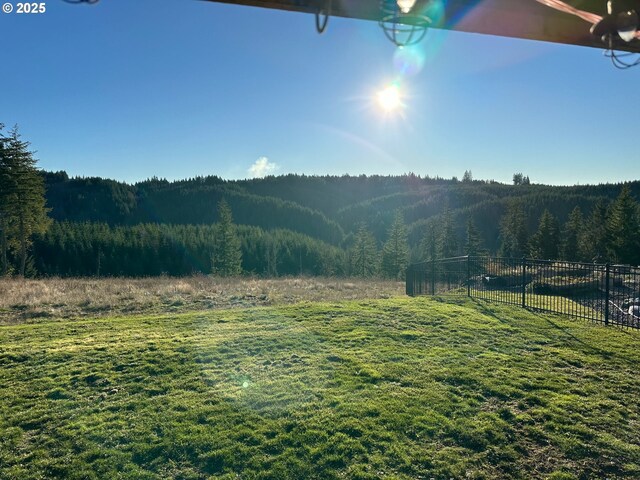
[298, 224]
[327, 225]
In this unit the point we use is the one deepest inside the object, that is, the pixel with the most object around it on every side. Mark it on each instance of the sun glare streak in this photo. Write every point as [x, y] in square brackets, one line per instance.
[389, 99]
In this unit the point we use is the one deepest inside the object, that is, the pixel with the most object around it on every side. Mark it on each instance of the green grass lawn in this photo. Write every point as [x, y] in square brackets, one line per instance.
[402, 388]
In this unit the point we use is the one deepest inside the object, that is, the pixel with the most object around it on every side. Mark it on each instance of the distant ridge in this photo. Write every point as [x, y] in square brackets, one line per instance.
[327, 208]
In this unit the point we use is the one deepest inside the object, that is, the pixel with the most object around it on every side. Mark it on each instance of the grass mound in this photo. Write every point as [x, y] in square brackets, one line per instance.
[398, 388]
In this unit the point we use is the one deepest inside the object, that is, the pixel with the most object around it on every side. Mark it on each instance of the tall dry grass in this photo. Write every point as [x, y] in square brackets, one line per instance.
[28, 300]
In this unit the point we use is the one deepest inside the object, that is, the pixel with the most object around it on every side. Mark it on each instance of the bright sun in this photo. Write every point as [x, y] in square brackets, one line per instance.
[389, 99]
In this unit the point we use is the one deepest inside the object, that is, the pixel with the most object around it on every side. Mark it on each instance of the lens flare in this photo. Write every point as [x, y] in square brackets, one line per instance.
[409, 60]
[389, 99]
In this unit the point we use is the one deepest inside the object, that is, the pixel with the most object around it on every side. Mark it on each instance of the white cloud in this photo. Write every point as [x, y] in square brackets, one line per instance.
[262, 167]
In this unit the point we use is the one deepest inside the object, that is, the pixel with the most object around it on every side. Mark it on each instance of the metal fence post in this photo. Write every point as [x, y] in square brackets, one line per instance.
[468, 276]
[524, 282]
[606, 294]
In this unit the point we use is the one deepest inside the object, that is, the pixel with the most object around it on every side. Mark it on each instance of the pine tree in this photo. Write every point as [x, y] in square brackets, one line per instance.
[365, 253]
[467, 177]
[395, 253]
[623, 228]
[5, 190]
[513, 230]
[271, 257]
[23, 211]
[447, 241]
[571, 237]
[227, 257]
[544, 243]
[595, 241]
[473, 241]
[429, 244]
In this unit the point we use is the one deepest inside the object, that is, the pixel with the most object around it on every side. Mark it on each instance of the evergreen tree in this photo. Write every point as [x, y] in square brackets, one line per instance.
[227, 257]
[365, 253]
[572, 235]
[447, 241]
[5, 190]
[429, 244]
[73, 248]
[467, 177]
[623, 228]
[544, 243]
[23, 211]
[595, 241]
[271, 258]
[395, 253]
[513, 230]
[473, 241]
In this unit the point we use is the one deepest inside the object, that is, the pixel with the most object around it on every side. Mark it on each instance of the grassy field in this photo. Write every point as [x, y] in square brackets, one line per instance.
[54, 298]
[394, 388]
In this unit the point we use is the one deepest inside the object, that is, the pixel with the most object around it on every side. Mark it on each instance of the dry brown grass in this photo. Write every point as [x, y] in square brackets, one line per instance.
[29, 300]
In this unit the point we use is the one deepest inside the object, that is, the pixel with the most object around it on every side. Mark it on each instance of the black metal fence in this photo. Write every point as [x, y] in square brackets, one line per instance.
[609, 294]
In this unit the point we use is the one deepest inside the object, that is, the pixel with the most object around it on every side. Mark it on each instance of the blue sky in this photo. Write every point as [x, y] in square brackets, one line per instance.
[179, 88]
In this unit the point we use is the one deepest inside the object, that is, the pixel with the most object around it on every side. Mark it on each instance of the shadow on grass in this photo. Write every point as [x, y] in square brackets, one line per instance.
[569, 337]
[587, 347]
[487, 311]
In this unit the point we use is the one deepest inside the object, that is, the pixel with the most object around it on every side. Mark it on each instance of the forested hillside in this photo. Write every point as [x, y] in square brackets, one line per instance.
[295, 224]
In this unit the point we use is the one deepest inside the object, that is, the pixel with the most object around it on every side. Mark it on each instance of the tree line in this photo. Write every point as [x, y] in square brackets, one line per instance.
[610, 232]
[223, 249]
[325, 207]
[287, 225]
